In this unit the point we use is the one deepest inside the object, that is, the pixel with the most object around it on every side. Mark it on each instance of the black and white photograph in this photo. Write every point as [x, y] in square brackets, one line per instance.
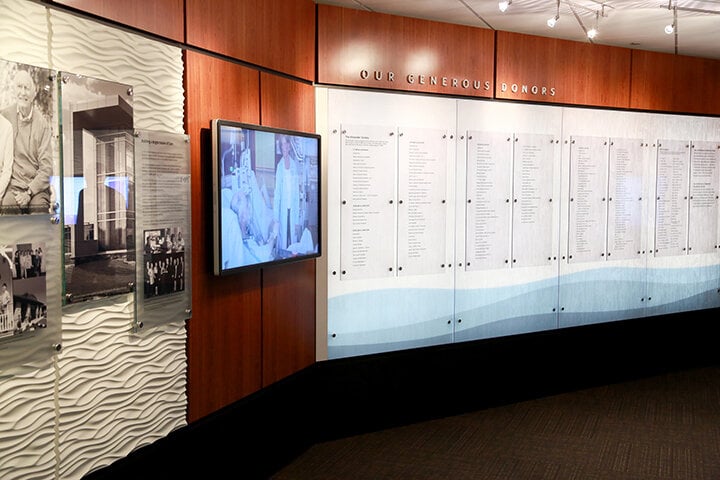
[27, 112]
[98, 188]
[164, 259]
[23, 289]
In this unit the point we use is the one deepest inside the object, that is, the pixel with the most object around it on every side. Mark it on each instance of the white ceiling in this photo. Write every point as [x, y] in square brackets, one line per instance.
[622, 23]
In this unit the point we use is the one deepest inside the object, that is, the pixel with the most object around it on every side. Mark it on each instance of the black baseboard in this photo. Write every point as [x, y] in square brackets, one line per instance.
[257, 435]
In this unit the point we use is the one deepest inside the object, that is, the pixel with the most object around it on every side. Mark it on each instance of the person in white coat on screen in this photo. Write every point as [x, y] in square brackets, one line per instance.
[286, 201]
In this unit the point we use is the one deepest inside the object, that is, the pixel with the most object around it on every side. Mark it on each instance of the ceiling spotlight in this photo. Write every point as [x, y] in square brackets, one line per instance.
[552, 21]
[592, 33]
[670, 27]
[504, 4]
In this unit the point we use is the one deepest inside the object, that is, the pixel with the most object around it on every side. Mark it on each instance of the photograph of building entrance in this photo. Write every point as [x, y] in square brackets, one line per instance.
[98, 188]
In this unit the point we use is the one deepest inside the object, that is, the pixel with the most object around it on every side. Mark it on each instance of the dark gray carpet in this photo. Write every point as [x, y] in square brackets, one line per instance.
[665, 427]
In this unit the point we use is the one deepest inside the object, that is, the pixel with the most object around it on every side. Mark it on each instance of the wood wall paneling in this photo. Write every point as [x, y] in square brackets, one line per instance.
[286, 103]
[275, 34]
[165, 18]
[675, 83]
[225, 332]
[541, 69]
[374, 50]
[288, 308]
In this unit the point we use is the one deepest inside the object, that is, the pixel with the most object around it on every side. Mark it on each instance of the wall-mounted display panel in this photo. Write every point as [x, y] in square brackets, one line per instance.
[704, 191]
[30, 281]
[265, 196]
[163, 220]
[389, 264]
[535, 158]
[30, 326]
[512, 153]
[556, 220]
[488, 213]
[626, 190]
[368, 201]
[671, 197]
[98, 185]
[422, 200]
[588, 199]
[603, 268]
[680, 279]
[28, 133]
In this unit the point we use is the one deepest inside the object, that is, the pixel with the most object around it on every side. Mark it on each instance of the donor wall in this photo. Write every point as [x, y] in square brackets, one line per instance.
[453, 220]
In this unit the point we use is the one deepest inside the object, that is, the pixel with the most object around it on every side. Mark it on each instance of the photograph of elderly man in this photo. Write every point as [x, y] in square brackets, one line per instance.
[28, 188]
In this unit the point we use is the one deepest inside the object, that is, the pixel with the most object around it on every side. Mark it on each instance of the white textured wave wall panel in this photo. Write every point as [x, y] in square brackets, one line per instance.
[110, 390]
[24, 32]
[117, 390]
[27, 426]
[154, 69]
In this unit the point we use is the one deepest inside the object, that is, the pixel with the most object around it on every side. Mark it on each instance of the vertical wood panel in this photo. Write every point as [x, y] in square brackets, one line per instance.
[276, 34]
[286, 103]
[161, 17]
[224, 334]
[288, 319]
[569, 72]
[675, 83]
[405, 53]
[288, 290]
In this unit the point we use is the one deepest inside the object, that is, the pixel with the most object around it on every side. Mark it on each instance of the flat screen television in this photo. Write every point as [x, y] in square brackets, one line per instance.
[266, 196]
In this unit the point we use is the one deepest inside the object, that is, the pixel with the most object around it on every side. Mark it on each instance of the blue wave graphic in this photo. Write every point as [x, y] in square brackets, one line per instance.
[394, 319]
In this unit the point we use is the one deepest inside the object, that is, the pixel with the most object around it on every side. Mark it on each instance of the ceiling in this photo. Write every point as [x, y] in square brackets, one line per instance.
[622, 23]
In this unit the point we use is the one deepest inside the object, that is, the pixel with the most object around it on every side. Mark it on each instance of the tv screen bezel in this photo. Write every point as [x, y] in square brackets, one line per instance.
[216, 126]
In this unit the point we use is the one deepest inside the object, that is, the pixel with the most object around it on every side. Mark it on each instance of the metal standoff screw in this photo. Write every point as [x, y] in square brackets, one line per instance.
[188, 311]
[57, 346]
[130, 91]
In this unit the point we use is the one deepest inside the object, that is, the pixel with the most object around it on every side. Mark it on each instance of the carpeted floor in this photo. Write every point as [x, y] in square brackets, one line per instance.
[665, 427]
